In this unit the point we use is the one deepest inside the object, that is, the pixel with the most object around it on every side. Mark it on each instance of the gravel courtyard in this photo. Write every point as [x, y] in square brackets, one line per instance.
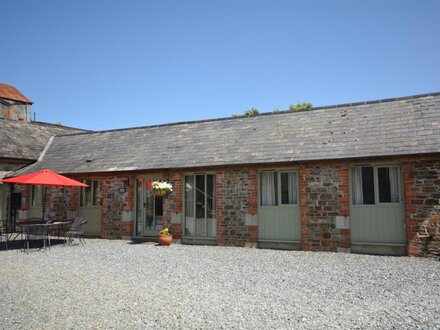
[115, 284]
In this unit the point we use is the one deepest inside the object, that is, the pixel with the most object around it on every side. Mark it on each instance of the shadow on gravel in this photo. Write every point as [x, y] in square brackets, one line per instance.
[35, 245]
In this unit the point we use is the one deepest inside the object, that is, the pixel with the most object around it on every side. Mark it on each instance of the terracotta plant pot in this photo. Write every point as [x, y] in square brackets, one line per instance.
[165, 240]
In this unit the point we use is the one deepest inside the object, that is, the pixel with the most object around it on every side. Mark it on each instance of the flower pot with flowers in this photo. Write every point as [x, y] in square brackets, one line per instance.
[165, 237]
[161, 188]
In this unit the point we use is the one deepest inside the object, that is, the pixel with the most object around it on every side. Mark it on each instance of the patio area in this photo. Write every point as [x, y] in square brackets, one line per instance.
[116, 284]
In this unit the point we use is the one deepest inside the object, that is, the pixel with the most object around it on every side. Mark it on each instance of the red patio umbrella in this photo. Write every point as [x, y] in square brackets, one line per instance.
[45, 178]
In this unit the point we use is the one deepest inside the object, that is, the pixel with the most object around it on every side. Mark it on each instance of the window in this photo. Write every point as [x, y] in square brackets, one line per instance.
[269, 188]
[272, 193]
[369, 181]
[36, 196]
[388, 184]
[91, 195]
[363, 185]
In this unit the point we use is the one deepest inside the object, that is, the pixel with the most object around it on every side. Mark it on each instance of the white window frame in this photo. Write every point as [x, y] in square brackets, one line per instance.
[92, 192]
[36, 201]
[279, 171]
[376, 184]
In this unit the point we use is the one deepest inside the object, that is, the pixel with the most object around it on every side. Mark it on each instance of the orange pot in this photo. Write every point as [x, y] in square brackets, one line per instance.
[165, 240]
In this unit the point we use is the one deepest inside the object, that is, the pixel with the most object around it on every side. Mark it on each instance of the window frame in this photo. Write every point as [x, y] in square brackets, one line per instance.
[376, 184]
[278, 171]
[32, 196]
[92, 192]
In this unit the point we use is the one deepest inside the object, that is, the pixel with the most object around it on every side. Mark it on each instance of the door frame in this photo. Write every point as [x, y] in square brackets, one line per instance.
[143, 232]
[83, 211]
[378, 247]
[199, 239]
[296, 209]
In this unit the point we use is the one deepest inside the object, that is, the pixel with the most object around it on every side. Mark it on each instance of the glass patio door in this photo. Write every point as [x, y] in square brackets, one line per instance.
[200, 206]
[149, 210]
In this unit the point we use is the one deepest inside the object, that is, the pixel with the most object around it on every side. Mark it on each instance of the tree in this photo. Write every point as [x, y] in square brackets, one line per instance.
[301, 106]
[251, 112]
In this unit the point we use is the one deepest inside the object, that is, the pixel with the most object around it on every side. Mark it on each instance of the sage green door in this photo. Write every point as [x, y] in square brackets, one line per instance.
[90, 204]
[279, 216]
[149, 209]
[376, 209]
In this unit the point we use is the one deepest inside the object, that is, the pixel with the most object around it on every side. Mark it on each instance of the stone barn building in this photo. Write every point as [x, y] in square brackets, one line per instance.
[361, 177]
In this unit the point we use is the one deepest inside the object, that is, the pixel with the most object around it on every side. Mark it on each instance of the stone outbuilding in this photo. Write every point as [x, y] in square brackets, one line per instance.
[361, 177]
[21, 143]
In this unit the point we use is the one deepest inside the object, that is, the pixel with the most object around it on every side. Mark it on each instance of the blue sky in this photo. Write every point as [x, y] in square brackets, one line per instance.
[114, 64]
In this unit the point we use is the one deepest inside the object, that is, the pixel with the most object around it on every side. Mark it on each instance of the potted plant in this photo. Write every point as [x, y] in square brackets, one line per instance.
[165, 237]
[161, 188]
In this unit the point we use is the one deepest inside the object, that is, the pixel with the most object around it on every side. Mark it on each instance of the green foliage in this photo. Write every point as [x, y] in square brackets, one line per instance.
[301, 106]
[58, 123]
[251, 112]
[276, 110]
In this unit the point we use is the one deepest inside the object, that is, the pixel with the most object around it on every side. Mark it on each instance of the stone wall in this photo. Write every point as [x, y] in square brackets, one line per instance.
[236, 207]
[324, 202]
[117, 206]
[61, 201]
[422, 200]
[324, 198]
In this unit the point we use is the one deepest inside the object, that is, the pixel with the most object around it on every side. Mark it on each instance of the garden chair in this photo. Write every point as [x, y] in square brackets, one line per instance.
[3, 233]
[77, 230]
[8, 232]
[76, 221]
[35, 233]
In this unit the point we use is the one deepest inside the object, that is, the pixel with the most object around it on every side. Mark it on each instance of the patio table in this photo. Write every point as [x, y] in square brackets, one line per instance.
[41, 228]
[34, 229]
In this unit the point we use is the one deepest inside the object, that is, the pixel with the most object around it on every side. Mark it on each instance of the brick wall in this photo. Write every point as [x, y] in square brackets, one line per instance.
[323, 197]
[422, 196]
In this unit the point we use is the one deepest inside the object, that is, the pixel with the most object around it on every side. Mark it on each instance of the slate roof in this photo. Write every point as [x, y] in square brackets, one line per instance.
[401, 126]
[26, 141]
[11, 93]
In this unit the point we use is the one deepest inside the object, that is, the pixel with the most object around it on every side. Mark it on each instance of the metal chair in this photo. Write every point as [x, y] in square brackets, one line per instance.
[77, 230]
[3, 233]
[7, 231]
[36, 232]
[75, 223]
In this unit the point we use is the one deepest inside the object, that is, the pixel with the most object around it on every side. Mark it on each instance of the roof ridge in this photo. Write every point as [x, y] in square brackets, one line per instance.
[43, 124]
[56, 125]
[335, 106]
